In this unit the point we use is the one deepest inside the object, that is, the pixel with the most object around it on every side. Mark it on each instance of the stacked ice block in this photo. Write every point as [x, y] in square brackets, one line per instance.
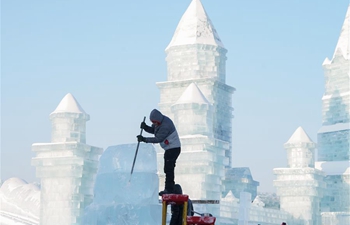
[118, 201]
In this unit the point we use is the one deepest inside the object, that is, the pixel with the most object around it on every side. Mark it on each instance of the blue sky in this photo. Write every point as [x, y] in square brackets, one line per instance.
[109, 55]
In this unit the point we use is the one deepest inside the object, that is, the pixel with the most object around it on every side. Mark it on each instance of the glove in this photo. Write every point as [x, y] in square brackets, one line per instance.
[140, 138]
[143, 125]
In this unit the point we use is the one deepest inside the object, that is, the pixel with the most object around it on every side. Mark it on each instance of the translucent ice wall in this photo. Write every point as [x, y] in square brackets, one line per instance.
[118, 201]
[210, 62]
[68, 127]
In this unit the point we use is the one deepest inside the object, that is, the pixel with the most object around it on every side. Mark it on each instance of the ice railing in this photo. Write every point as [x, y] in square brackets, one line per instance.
[244, 211]
[335, 218]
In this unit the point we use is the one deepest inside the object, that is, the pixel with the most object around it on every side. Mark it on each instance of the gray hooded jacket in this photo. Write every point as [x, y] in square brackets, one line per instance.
[164, 133]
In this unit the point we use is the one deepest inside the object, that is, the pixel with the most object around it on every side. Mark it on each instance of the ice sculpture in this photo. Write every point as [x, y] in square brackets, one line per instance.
[118, 201]
[67, 166]
[20, 199]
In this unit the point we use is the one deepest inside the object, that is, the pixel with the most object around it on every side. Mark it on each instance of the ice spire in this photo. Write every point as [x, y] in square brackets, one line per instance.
[192, 94]
[69, 104]
[69, 121]
[195, 27]
[193, 118]
[343, 45]
[300, 150]
[299, 136]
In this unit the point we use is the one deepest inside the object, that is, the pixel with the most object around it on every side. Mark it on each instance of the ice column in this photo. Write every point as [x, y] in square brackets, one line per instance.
[244, 208]
[300, 186]
[67, 166]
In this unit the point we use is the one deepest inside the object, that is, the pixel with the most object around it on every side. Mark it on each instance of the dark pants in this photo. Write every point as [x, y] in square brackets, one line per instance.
[177, 210]
[170, 157]
[176, 214]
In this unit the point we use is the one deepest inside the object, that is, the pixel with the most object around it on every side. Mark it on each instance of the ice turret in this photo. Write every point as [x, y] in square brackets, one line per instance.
[343, 45]
[67, 166]
[300, 150]
[300, 186]
[192, 94]
[69, 121]
[195, 27]
[68, 104]
[193, 113]
[198, 45]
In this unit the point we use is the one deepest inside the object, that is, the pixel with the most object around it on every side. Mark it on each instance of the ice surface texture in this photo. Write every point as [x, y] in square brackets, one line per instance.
[118, 201]
[119, 158]
[20, 198]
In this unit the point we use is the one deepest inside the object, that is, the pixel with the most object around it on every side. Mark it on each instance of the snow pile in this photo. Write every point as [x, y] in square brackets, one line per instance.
[20, 198]
[271, 200]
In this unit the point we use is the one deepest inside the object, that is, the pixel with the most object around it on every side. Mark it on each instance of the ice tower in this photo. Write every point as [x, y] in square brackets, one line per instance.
[67, 166]
[239, 180]
[196, 97]
[300, 186]
[334, 136]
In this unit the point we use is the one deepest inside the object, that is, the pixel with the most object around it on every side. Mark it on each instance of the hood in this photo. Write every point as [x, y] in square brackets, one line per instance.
[177, 189]
[156, 116]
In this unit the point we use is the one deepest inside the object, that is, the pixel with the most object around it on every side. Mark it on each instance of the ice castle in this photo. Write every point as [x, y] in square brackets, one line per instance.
[313, 190]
